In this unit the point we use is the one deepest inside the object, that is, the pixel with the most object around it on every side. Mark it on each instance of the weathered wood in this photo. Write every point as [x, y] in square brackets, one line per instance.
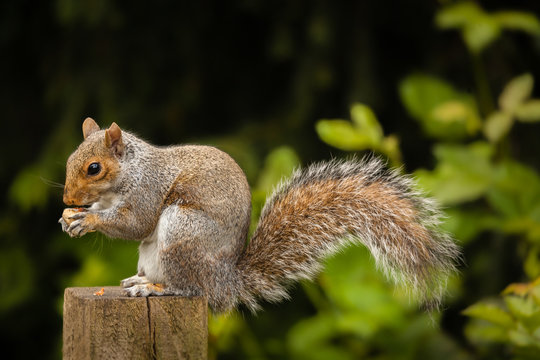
[114, 326]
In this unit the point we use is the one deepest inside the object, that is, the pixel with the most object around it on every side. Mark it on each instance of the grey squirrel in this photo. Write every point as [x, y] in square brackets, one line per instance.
[190, 207]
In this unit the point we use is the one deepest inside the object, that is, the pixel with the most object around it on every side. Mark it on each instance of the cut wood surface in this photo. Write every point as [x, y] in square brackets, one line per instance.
[114, 326]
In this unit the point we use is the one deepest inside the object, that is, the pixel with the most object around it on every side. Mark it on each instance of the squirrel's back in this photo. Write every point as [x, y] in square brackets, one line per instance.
[211, 181]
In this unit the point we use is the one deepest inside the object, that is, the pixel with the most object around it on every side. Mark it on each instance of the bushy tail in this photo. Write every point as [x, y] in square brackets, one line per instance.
[327, 206]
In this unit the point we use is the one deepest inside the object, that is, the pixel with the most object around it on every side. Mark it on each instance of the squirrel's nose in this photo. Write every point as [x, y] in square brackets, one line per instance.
[67, 199]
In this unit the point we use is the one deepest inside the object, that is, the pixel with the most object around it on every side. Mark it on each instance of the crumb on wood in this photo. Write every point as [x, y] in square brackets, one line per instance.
[100, 292]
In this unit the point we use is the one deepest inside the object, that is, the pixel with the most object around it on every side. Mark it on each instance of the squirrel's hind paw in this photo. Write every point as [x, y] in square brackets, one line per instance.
[146, 290]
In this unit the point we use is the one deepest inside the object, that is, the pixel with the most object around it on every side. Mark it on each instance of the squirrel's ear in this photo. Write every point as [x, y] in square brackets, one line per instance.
[89, 127]
[113, 139]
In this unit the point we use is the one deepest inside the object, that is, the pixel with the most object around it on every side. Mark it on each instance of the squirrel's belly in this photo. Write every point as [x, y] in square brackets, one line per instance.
[149, 263]
[149, 251]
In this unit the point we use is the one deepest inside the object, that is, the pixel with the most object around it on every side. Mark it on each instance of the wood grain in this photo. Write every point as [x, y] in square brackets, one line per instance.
[113, 326]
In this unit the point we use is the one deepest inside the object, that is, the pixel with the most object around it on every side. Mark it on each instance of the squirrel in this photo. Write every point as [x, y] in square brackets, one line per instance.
[190, 208]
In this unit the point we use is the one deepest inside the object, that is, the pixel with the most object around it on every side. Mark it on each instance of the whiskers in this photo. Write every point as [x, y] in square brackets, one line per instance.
[51, 183]
[58, 185]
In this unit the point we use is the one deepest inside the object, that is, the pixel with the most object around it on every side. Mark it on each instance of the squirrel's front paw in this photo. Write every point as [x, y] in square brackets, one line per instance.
[134, 280]
[75, 222]
[64, 224]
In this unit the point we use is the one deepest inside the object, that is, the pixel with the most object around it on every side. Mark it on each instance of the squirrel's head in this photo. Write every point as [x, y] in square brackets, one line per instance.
[93, 168]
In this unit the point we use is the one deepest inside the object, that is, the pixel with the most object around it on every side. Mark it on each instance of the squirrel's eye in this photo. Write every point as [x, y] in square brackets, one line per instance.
[94, 168]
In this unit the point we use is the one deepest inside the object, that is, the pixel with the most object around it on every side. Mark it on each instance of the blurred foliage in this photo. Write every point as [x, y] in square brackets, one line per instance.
[362, 133]
[457, 107]
[443, 111]
[512, 319]
[480, 28]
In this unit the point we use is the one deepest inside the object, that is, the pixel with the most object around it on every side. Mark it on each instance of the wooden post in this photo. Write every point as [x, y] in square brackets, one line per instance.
[114, 326]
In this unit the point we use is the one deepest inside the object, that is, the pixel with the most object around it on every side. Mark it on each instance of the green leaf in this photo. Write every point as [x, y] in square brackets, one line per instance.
[504, 203]
[526, 310]
[509, 196]
[367, 123]
[422, 93]
[521, 338]
[463, 173]
[529, 111]
[458, 112]
[516, 92]
[458, 15]
[442, 111]
[480, 33]
[342, 135]
[521, 307]
[518, 20]
[364, 132]
[497, 126]
[465, 225]
[531, 266]
[481, 332]
[478, 28]
[489, 312]
[536, 294]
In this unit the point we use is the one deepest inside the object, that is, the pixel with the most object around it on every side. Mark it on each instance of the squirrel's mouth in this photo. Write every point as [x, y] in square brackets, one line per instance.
[85, 207]
[80, 208]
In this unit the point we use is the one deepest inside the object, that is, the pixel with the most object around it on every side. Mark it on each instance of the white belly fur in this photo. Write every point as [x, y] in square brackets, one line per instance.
[149, 257]
[149, 249]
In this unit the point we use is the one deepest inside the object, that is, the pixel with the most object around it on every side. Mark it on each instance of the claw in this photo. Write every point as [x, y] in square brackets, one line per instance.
[74, 225]
[62, 222]
[76, 229]
[77, 216]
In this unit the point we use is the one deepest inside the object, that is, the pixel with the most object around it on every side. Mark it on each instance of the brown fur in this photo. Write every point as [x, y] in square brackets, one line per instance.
[181, 193]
